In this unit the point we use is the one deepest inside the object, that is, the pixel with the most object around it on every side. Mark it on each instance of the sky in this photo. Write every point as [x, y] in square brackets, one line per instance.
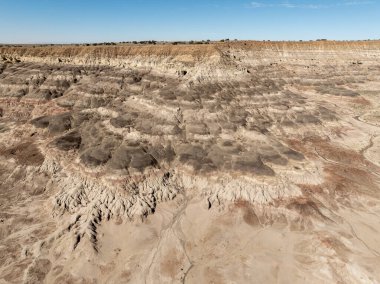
[81, 21]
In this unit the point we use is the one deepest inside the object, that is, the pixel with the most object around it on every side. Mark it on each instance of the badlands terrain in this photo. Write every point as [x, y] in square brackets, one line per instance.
[240, 162]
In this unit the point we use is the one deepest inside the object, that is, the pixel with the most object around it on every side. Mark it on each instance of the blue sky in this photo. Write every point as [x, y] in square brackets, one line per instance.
[69, 21]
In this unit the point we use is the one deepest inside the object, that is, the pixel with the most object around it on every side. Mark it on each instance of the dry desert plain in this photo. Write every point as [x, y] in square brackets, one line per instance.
[236, 162]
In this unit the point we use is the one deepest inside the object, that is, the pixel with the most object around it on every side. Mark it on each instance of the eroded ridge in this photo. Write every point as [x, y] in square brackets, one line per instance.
[164, 165]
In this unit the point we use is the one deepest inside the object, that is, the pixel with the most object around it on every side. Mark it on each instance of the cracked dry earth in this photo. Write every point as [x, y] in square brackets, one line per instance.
[225, 163]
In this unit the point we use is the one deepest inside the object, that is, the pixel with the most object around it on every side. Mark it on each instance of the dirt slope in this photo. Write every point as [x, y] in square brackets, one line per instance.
[253, 162]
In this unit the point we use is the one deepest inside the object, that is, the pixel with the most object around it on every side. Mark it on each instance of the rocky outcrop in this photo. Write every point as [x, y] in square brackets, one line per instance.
[163, 163]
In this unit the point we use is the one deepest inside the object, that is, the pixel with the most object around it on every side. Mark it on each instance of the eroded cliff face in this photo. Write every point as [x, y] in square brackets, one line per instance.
[246, 162]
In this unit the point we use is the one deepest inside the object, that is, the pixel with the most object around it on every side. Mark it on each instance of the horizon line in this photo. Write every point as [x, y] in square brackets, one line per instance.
[192, 41]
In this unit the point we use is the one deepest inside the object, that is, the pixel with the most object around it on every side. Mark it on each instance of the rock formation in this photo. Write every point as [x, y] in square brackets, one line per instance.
[241, 161]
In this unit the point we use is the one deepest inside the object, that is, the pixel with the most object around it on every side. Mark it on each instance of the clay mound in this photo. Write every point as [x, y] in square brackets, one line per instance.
[25, 153]
[190, 163]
